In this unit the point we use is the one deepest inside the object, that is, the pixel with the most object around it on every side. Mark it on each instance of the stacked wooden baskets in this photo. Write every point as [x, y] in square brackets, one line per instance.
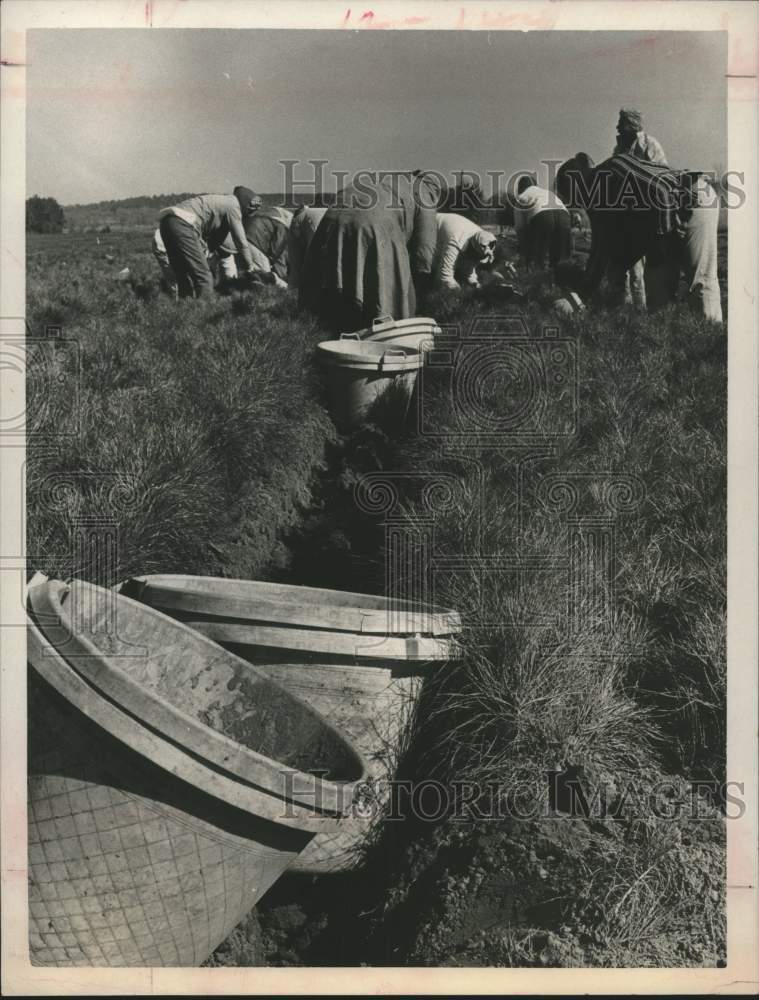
[191, 739]
[364, 366]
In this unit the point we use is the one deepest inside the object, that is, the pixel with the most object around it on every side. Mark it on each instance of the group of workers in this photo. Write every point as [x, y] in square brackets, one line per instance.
[387, 241]
[190, 246]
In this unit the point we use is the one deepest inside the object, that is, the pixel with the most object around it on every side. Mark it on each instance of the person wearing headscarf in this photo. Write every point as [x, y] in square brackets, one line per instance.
[304, 224]
[267, 232]
[632, 207]
[462, 246]
[631, 139]
[370, 250]
[542, 223]
[199, 225]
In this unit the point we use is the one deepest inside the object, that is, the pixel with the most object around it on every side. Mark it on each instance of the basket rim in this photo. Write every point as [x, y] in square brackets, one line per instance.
[225, 761]
[288, 604]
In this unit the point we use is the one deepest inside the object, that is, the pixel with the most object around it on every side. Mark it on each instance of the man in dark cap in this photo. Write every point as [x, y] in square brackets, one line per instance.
[199, 225]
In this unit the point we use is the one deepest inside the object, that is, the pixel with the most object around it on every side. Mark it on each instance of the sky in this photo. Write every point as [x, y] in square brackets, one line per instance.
[116, 113]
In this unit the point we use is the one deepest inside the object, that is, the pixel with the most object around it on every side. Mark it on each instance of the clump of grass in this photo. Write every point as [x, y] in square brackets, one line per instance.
[537, 703]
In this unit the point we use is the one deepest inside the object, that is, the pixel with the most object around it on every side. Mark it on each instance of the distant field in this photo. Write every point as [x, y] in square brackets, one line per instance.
[142, 213]
[214, 415]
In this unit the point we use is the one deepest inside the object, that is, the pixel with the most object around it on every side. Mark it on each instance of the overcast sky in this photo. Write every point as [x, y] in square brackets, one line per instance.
[114, 113]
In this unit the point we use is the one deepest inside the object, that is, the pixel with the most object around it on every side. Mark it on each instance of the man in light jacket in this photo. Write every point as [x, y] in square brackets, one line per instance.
[542, 223]
[201, 224]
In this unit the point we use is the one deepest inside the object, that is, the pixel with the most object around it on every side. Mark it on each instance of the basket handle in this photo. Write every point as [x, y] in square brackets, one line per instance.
[382, 321]
[394, 352]
[349, 336]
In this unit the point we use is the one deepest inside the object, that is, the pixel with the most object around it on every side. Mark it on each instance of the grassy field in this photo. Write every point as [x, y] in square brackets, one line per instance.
[213, 415]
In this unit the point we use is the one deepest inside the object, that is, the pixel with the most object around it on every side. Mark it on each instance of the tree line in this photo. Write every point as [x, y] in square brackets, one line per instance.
[44, 215]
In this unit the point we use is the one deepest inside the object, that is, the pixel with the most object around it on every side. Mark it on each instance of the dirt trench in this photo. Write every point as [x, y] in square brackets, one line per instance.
[307, 920]
[426, 888]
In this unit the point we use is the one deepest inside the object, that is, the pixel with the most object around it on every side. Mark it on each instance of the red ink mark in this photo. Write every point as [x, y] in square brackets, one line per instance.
[149, 12]
[370, 22]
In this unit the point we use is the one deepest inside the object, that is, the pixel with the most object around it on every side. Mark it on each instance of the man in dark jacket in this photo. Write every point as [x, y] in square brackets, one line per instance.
[632, 206]
[267, 233]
